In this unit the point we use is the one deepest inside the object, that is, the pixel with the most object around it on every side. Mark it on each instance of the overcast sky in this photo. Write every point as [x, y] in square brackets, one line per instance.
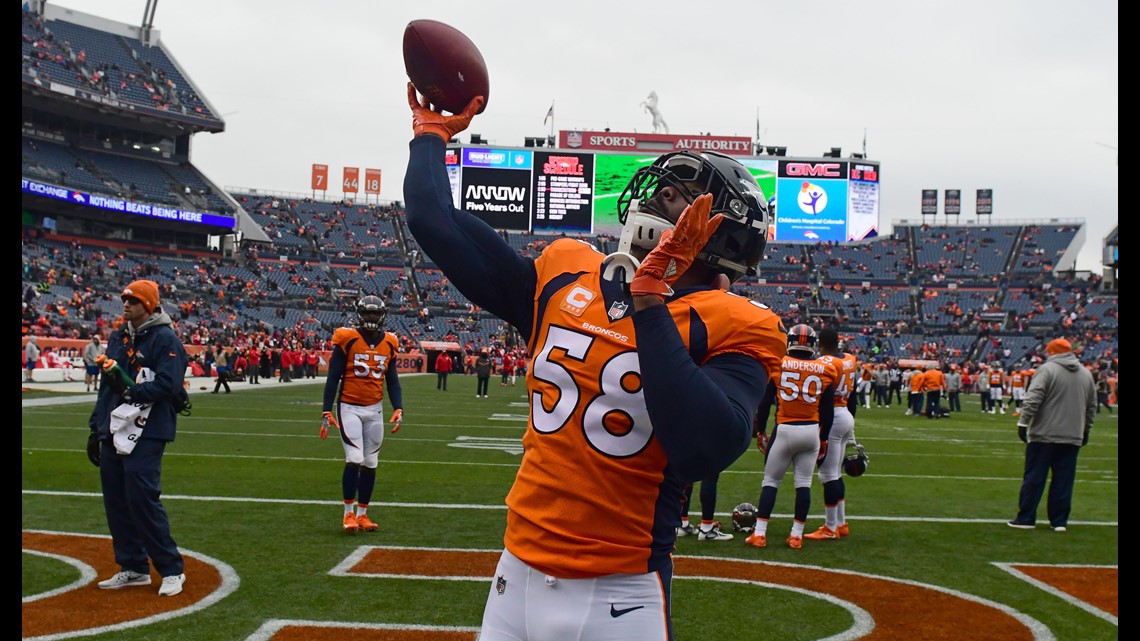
[1019, 96]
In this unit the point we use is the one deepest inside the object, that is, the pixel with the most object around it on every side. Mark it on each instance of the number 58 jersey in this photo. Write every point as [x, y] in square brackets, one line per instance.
[592, 495]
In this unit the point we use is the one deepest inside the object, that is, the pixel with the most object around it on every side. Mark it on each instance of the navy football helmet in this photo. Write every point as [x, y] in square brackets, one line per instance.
[855, 464]
[371, 312]
[736, 247]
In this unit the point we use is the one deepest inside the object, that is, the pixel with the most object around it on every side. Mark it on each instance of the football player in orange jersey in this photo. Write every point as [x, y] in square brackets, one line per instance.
[997, 388]
[863, 387]
[842, 432]
[645, 374]
[363, 359]
[804, 395]
[1018, 382]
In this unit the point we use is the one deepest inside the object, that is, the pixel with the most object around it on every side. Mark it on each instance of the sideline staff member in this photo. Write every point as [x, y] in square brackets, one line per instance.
[1055, 421]
[151, 354]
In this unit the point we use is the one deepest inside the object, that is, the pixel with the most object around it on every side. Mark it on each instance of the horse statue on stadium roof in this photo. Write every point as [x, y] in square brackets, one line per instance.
[650, 104]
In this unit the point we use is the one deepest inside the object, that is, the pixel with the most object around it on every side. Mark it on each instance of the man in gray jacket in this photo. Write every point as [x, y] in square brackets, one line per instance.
[954, 389]
[91, 354]
[1055, 420]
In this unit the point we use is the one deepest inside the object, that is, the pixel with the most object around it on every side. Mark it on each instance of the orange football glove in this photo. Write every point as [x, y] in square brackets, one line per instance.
[676, 250]
[396, 418]
[426, 121]
[822, 452]
[762, 442]
[327, 421]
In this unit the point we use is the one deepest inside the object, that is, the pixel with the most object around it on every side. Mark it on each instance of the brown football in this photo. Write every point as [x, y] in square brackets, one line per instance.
[444, 65]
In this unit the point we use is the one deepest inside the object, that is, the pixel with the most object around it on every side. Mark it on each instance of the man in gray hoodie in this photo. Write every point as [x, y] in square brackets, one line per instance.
[954, 389]
[1055, 420]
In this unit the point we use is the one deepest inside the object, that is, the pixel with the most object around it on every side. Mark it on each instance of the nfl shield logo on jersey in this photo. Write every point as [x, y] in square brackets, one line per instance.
[617, 310]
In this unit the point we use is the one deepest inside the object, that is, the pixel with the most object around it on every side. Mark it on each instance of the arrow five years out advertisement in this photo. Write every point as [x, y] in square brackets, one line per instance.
[495, 185]
[523, 190]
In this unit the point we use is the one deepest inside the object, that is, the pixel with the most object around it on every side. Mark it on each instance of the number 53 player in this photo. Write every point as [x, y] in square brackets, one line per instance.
[644, 375]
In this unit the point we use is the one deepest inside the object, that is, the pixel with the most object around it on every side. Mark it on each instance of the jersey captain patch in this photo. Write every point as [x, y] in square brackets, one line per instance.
[577, 300]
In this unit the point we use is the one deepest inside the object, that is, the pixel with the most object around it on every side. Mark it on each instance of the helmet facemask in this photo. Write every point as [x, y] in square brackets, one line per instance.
[736, 247]
[371, 312]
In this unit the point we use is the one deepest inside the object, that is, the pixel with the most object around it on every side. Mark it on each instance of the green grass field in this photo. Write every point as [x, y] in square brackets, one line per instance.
[249, 483]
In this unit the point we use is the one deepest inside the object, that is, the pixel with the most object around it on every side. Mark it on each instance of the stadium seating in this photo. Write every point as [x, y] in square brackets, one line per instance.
[958, 292]
[108, 64]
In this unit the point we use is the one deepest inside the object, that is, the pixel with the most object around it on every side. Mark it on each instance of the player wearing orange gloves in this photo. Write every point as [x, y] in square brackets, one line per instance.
[645, 375]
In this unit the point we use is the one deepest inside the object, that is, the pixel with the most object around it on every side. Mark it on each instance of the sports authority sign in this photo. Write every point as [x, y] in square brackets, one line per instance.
[659, 143]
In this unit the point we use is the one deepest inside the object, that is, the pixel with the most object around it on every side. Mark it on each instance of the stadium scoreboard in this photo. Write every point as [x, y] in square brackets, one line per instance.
[575, 191]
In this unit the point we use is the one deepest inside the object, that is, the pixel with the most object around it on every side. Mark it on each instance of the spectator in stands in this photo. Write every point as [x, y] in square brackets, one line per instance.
[93, 350]
[222, 365]
[51, 358]
[31, 355]
[196, 368]
[442, 369]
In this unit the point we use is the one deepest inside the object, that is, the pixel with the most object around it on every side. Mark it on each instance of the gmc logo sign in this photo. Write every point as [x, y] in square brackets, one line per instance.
[807, 169]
